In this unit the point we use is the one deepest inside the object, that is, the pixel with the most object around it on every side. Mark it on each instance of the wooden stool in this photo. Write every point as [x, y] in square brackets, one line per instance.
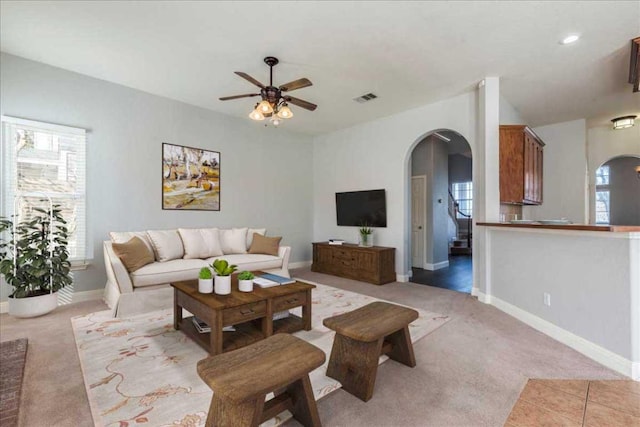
[364, 334]
[241, 379]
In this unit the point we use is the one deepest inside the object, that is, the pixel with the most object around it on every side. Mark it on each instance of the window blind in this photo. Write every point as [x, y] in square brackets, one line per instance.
[42, 158]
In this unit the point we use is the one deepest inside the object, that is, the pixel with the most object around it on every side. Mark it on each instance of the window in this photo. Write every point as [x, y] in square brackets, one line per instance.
[463, 194]
[44, 159]
[602, 195]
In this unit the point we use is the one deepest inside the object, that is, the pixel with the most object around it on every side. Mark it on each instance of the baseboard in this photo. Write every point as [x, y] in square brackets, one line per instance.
[402, 277]
[599, 354]
[300, 264]
[77, 297]
[436, 266]
[482, 297]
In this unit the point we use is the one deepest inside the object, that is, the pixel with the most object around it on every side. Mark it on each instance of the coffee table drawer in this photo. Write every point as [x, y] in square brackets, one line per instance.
[231, 316]
[289, 301]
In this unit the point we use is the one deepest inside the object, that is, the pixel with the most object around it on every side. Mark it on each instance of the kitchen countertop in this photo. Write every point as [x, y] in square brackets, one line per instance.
[581, 227]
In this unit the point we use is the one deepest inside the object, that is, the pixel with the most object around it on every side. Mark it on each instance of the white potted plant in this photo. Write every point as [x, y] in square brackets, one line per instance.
[245, 281]
[205, 281]
[223, 276]
[366, 236]
[34, 261]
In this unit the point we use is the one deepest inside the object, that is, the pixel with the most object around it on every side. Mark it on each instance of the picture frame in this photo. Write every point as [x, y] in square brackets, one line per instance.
[190, 178]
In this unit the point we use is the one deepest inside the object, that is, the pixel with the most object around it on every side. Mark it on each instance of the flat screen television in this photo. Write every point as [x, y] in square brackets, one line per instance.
[358, 208]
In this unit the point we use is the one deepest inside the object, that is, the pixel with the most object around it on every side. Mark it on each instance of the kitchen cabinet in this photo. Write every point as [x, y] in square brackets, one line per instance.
[521, 165]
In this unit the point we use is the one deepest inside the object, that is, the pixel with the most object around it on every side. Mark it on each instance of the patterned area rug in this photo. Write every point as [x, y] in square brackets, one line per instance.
[139, 371]
[13, 355]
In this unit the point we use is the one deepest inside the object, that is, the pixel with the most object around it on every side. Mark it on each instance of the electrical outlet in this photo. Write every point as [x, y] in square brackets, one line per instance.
[547, 299]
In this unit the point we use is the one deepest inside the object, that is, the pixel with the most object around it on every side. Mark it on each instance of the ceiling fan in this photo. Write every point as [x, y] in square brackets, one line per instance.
[274, 99]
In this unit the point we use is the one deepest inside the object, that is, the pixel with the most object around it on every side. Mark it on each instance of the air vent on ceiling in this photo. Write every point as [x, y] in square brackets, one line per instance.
[365, 98]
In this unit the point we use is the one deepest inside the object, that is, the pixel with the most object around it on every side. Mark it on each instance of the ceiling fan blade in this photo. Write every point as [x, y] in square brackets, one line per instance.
[301, 103]
[248, 95]
[296, 84]
[248, 78]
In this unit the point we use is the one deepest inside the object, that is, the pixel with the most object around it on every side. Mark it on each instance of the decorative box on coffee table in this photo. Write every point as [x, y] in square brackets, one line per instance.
[251, 313]
[375, 264]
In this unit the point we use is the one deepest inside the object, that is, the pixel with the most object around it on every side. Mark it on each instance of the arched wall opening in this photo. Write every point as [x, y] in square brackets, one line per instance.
[615, 195]
[427, 164]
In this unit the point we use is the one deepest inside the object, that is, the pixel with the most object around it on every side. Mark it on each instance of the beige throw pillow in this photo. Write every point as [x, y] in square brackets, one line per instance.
[234, 241]
[134, 254]
[167, 244]
[200, 242]
[125, 236]
[250, 233]
[265, 245]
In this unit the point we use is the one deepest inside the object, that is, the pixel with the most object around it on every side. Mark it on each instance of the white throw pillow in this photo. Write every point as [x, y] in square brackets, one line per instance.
[125, 236]
[167, 244]
[200, 242]
[234, 241]
[250, 235]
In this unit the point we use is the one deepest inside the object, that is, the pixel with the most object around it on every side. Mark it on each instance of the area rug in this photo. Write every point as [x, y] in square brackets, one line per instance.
[13, 355]
[139, 371]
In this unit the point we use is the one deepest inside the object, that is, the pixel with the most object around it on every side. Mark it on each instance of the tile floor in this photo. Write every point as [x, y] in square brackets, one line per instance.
[577, 403]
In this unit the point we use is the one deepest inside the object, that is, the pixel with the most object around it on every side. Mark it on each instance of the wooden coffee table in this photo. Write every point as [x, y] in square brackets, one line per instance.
[251, 313]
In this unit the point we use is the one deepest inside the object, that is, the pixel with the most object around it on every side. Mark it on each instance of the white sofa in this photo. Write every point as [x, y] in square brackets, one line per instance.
[147, 288]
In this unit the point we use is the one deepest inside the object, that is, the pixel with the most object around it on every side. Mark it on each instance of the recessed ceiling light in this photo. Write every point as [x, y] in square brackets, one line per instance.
[570, 39]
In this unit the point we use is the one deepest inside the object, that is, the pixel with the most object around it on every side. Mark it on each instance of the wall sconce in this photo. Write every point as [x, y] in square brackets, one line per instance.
[623, 122]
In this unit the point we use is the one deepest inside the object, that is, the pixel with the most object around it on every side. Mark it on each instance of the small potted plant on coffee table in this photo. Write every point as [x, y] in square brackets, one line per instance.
[205, 281]
[223, 276]
[245, 281]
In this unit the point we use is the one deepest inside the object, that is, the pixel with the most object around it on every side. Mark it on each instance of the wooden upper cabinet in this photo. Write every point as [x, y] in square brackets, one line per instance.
[520, 165]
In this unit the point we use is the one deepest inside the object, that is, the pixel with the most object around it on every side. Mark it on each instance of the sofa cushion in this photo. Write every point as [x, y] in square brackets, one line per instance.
[234, 241]
[167, 244]
[134, 254]
[200, 242]
[250, 261]
[167, 272]
[265, 245]
[125, 236]
[261, 231]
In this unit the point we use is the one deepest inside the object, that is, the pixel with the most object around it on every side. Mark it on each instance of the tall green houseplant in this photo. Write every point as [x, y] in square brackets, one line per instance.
[41, 261]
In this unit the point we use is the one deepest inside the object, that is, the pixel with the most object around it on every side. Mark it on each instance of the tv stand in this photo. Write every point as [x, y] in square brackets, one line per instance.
[375, 264]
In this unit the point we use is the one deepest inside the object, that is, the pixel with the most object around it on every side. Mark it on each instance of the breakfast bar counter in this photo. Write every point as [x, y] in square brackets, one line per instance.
[574, 227]
[578, 283]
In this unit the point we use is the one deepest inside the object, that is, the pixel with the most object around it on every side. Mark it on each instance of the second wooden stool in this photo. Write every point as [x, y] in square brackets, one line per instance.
[362, 335]
[241, 379]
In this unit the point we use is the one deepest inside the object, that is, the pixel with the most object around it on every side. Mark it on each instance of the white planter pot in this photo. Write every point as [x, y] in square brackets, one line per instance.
[205, 286]
[245, 285]
[223, 285]
[33, 306]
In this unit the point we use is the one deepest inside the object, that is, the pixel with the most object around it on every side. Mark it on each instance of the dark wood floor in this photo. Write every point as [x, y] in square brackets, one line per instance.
[457, 277]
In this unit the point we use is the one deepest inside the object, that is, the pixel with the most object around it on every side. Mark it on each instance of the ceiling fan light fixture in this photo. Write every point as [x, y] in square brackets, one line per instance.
[623, 122]
[285, 112]
[275, 120]
[265, 107]
[256, 115]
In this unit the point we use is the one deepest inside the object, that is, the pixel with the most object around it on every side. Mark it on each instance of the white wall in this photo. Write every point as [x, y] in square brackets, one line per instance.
[266, 173]
[564, 169]
[593, 279]
[429, 158]
[377, 155]
[603, 144]
[508, 114]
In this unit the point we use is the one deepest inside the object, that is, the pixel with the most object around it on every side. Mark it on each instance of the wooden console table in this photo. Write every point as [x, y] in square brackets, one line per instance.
[250, 312]
[374, 264]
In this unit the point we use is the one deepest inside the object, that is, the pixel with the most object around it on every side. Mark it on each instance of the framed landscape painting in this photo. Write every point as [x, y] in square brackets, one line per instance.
[190, 178]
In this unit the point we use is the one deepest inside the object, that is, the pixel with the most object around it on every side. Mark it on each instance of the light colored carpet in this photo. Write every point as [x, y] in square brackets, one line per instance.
[139, 370]
[469, 372]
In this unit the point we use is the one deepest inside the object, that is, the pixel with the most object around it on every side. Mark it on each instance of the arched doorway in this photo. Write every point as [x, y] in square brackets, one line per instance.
[441, 211]
[616, 195]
